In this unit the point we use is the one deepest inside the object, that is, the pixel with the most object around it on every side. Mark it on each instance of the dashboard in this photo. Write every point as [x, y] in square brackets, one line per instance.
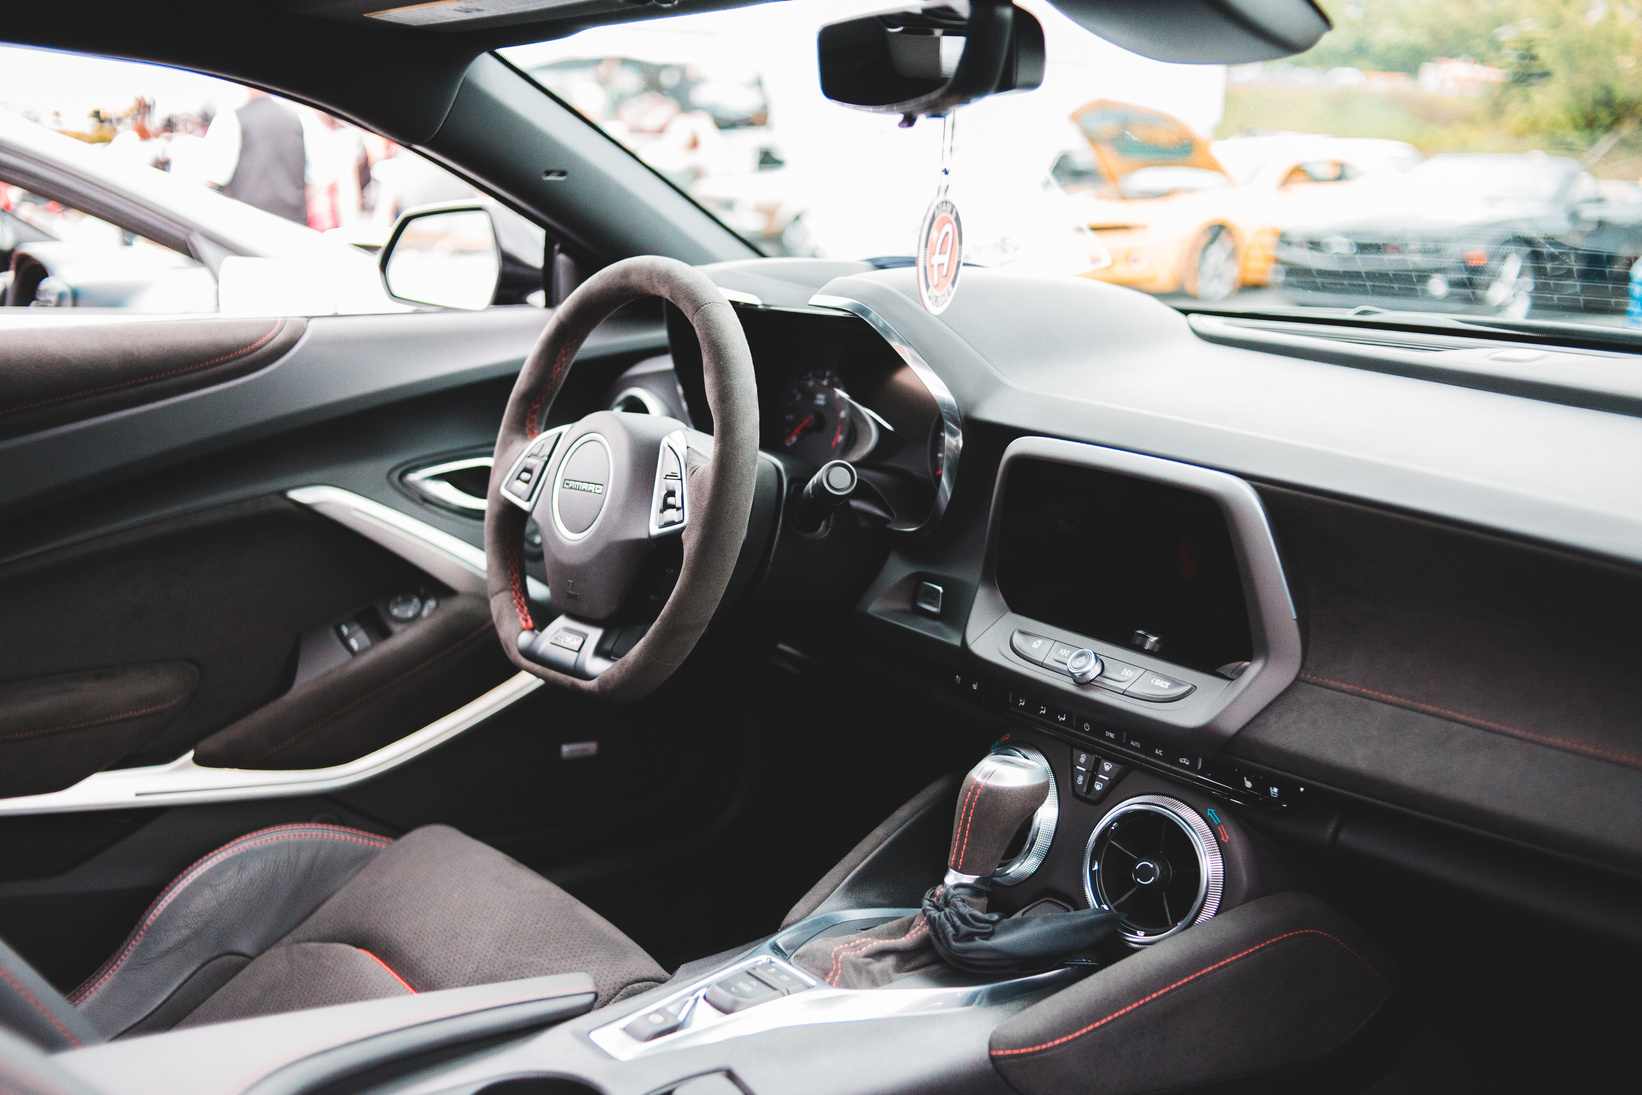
[1320, 567]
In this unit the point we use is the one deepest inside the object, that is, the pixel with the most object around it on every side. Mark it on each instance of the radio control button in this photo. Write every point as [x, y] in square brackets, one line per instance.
[1118, 675]
[1158, 688]
[1034, 648]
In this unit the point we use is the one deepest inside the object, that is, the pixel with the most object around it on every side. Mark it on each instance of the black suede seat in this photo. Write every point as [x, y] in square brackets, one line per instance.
[303, 916]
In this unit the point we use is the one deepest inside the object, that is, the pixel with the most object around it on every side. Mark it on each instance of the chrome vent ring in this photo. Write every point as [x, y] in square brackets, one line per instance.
[1154, 859]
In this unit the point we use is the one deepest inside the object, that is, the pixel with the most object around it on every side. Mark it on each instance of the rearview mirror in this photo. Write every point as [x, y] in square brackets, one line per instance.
[446, 257]
[929, 60]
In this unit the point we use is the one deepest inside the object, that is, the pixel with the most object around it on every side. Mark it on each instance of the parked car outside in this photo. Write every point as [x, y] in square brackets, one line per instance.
[1503, 234]
[1177, 220]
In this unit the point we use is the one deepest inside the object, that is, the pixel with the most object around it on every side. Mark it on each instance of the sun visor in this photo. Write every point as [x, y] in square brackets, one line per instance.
[1203, 31]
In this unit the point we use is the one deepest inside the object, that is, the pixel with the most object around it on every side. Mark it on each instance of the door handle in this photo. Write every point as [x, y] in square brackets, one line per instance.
[460, 485]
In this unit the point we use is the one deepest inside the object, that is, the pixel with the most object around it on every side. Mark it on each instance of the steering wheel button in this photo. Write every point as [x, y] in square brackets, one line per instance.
[569, 640]
[1034, 648]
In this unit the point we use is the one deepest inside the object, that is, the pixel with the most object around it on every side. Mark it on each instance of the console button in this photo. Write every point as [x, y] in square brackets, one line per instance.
[1158, 688]
[780, 977]
[655, 1024]
[1080, 781]
[1083, 759]
[1118, 675]
[740, 991]
[1034, 648]
[1058, 653]
[1109, 769]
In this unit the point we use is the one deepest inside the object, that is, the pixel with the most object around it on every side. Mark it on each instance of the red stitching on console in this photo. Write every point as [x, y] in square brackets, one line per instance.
[233, 847]
[39, 1007]
[387, 967]
[93, 722]
[1486, 724]
[357, 700]
[145, 379]
[858, 947]
[1170, 988]
[521, 606]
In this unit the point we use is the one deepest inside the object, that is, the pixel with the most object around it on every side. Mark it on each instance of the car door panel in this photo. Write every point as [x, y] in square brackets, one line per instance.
[56, 730]
[51, 375]
[228, 591]
[393, 688]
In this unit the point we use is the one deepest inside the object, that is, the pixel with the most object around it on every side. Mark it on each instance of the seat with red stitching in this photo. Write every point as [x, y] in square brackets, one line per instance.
[225, 909]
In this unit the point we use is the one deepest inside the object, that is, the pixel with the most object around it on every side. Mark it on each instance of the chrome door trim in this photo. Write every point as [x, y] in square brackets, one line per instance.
[455, 562]
[183, 782]
[429, 482]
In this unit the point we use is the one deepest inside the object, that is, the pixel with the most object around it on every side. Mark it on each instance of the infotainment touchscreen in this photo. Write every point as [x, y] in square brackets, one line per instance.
[1127, 561]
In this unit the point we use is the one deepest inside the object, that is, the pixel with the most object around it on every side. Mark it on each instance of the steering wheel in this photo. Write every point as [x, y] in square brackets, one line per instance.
[607, 489]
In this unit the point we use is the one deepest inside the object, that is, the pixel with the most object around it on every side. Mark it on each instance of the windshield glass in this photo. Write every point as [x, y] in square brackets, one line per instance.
[1478, 157]
[1525, 177]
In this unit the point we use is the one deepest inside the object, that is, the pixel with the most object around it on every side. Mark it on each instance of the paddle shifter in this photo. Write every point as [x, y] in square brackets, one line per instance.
[953, 927]
[998, 796]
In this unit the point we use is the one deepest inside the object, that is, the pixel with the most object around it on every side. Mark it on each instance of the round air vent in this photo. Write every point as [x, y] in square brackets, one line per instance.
[638, 401]
[1030, 845]
[1153, 859]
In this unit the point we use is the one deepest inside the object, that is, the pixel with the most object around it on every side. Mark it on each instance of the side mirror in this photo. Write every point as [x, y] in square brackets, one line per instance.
[446, 257]
[929, 60]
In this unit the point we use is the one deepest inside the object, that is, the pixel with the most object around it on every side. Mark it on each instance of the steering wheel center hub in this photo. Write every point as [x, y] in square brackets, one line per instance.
[580, 488]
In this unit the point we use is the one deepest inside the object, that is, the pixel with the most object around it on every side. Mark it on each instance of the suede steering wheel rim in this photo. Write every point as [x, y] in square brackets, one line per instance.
[608, 456]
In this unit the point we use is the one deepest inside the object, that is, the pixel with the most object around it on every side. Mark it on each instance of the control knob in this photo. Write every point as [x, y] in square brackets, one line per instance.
[1084, 665]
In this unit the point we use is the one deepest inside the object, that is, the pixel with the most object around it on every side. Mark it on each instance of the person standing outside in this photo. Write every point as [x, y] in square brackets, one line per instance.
[259, 157]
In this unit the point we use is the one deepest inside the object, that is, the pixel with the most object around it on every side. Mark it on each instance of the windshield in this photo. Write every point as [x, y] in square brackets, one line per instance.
[1522, 177]
[1478, 157]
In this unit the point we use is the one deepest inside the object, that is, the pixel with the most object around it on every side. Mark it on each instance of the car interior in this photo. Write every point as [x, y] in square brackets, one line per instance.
[680, 671]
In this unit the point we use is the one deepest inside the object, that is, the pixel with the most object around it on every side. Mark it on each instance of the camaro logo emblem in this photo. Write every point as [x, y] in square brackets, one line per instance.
[584, 486]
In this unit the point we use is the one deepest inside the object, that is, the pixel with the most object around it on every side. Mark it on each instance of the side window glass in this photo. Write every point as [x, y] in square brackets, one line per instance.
[158, 190]
[57, 256]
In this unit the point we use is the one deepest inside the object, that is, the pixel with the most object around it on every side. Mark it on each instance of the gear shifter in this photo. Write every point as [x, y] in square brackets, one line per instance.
[998, 796]
[953, 927]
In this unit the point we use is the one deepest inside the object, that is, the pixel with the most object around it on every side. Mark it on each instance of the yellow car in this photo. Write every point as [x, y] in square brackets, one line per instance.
[1180, 217]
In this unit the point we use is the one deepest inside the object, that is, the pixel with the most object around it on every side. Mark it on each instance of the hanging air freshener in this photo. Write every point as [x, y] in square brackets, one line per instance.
[940, 237]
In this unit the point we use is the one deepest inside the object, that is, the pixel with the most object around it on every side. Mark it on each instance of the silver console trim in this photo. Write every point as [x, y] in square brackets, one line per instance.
[952, 423]
[455, 562]
[1041, 835]
[1211, 867]
[183, 782]
[821, 1003]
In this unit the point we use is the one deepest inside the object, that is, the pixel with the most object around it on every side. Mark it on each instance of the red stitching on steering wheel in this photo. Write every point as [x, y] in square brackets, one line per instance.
[520, 604]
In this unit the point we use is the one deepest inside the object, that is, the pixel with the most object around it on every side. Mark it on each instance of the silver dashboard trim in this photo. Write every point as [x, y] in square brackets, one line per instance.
[455, 562]
[183, 782]
[952, 423]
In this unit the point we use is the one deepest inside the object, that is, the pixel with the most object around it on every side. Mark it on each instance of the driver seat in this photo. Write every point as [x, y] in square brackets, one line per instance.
[305, 916]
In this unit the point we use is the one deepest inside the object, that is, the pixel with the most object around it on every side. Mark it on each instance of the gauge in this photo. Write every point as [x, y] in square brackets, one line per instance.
[817, 417]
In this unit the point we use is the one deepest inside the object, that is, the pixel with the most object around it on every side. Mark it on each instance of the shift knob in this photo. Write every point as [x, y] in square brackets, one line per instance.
[997, 797]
